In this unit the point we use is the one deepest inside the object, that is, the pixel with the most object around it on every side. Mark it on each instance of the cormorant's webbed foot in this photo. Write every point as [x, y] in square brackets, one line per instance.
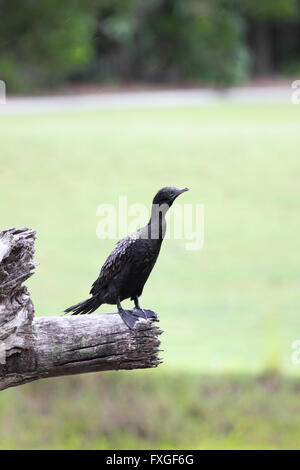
[144, 313]
[130, 317]
[127, 316]
[151, 314]
[141, 312]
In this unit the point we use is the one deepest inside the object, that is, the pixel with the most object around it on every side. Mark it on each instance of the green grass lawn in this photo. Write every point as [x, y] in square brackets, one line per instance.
[152, 410]
[232, 306]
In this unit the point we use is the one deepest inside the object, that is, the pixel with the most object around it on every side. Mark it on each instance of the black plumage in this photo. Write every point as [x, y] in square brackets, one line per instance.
[127, 268]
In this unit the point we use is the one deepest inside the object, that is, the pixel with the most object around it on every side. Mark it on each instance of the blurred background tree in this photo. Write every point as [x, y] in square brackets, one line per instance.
[45, 44]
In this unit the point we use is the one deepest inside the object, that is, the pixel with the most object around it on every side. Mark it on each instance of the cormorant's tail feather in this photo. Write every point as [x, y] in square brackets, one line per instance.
[90, 305]
[87, 306]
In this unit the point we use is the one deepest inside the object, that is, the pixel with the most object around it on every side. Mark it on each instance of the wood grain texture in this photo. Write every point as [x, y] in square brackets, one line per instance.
[44, 347]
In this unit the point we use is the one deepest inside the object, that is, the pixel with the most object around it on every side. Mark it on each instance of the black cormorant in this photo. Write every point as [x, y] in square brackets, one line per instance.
[128, 267]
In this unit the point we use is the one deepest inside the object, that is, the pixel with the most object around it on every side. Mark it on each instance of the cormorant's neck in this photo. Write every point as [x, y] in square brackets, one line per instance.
[157, 224]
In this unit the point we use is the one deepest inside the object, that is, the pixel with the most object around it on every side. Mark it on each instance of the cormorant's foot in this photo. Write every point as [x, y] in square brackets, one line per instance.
[145, 313]
[128, 318]
[140, 312]
[151, 314]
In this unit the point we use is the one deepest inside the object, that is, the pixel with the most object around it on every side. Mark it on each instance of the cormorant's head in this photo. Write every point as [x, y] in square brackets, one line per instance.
[167, 195]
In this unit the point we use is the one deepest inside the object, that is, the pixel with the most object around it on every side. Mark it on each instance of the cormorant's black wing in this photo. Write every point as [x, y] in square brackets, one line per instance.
[115, 262]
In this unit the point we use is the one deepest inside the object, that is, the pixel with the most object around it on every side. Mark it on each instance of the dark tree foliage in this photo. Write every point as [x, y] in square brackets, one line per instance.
[165, 40]
[45, 43]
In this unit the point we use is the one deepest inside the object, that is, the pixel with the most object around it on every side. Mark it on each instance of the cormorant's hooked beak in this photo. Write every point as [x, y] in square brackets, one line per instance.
[180, 191]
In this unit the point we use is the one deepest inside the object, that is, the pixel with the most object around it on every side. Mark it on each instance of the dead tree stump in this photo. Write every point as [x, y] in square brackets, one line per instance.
[34, 348]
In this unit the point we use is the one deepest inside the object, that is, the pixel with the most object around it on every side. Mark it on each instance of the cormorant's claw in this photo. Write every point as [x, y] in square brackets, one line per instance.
[139, 312]
[151, 314]
[144, 313]
[130, 317]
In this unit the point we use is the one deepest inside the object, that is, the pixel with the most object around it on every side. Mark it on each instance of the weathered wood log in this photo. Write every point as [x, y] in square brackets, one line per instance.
[34, 348]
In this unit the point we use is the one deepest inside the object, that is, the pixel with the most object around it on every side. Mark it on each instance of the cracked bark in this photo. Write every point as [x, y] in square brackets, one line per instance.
[34, 348]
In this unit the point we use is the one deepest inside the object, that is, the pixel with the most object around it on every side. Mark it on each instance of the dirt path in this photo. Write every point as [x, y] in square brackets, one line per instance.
[146, 99]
